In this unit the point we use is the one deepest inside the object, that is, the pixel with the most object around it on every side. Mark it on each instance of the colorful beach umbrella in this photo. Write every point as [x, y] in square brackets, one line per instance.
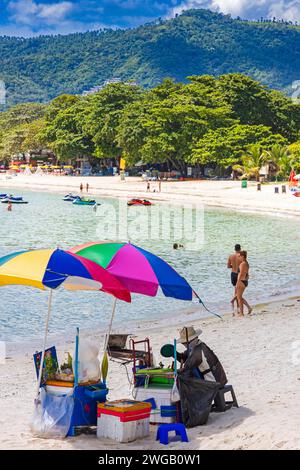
[51, 269]
[54, 268]
[138, 270]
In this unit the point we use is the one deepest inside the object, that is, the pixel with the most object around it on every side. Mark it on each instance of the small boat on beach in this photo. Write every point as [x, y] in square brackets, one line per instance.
[10, 196]
[13, 200]
[296, 193]
[139, 202]
[70, 197]
[83, 201]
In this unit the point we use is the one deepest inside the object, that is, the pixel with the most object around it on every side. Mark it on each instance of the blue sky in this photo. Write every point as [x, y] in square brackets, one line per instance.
[32, 17]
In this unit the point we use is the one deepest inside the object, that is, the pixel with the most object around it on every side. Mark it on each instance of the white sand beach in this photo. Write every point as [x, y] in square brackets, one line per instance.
[227, 194]
[260, 353]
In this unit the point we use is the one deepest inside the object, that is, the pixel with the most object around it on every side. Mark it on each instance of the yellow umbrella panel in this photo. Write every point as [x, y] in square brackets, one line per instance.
[54, 268]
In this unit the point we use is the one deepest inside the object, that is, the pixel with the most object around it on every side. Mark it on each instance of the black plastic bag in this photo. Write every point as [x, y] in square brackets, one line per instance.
[196, 397]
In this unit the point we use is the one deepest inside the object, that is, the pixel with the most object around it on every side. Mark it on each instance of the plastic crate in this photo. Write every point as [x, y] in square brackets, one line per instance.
[123, 420]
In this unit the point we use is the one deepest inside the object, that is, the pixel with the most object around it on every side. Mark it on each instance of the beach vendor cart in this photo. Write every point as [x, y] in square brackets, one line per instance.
[142, 272]
[61, 405]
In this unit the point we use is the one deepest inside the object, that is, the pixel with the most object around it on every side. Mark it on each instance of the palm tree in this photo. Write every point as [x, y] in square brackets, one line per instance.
[280, 156]
[252, 161]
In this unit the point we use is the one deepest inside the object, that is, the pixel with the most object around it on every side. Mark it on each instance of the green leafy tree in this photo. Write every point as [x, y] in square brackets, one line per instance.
[64, 131]
[255, 104]
[295, 153]
[252, 161]
[15, 125]
[282, 158]
[105, 113]
[164, 125]
[225, 146]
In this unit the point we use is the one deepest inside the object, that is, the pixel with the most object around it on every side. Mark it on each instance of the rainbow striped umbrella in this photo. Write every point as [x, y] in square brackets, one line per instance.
[57, 268]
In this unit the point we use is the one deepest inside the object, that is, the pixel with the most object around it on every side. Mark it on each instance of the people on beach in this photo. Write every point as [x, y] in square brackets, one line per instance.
[87, 187]
[199, 359]
[9, 206]
[81, 187]
[148, 186]
[242, 283]
[233, 263]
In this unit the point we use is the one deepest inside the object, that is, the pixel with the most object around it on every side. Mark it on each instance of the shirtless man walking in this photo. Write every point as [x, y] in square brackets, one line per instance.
[233, 263]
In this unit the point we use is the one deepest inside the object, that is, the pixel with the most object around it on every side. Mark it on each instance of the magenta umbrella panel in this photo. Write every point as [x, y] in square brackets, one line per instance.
[139, 270]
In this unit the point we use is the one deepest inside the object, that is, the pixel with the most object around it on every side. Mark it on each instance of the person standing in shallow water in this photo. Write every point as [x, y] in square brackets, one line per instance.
[233, 263]
[242, 283]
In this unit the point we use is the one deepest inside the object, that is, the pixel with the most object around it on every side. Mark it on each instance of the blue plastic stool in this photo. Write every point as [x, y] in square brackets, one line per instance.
[163, 432]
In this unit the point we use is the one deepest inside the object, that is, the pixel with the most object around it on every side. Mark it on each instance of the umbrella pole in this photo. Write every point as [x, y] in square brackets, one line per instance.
[104, 365]
[45, 340]
[110, 324]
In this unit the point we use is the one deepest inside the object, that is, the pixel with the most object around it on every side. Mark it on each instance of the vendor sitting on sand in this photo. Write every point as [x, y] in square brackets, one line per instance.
[198, 358]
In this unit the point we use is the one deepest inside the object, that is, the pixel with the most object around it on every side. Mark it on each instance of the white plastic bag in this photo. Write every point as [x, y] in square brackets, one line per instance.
[52, 415]
[175, 392]
[88, 362]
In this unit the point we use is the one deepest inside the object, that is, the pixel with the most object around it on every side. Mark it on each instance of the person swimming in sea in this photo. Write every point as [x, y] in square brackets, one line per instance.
[177, 245]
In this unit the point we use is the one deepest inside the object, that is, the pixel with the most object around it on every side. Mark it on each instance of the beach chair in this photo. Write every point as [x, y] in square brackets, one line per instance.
[118, 352]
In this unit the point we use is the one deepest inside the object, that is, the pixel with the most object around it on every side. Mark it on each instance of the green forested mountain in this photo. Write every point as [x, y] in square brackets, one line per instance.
[194, 43]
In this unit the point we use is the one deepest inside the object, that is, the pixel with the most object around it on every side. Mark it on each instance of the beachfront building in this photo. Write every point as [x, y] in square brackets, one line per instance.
[97, 88]
[33, 159]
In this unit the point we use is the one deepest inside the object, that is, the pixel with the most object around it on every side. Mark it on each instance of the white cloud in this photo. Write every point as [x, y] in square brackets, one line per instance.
[251, 9]
[31, 13]
[287, 11]
[29, 18]
[66, 27]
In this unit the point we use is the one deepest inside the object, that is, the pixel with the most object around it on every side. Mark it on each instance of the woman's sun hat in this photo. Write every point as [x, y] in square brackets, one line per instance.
[188, 333]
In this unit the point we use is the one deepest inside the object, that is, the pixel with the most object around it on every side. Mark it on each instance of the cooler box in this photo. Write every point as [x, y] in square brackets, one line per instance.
[123, 420]
[163, 410]
[86, 398]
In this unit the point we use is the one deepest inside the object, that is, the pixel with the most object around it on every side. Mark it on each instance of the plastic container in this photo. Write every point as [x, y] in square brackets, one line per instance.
[165, 410]
[147, 376]
[59, 391]
[85, 405]
[123, 420]
[244, 183]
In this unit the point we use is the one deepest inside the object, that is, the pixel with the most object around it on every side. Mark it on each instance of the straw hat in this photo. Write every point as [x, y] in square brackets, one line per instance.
[188, 333]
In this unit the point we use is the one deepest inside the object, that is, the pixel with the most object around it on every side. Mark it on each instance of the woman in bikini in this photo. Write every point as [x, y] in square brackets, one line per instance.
[242, 283]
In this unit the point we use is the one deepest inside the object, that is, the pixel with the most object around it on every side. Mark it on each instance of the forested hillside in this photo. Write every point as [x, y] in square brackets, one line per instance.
[194, 43]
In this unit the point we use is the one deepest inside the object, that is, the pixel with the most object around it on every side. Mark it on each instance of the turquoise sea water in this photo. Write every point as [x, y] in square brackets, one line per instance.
[273, 244]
